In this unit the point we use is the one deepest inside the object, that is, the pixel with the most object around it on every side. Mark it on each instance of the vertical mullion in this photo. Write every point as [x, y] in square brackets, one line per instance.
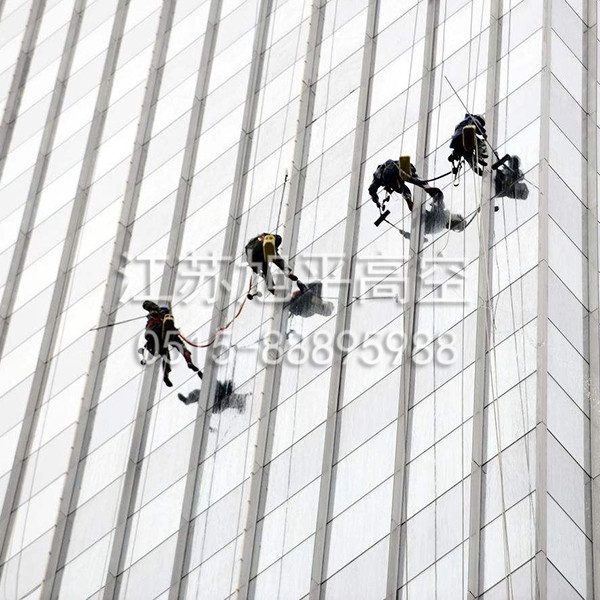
[36, 393]
[394, 577]
[541, 435]
[593, 280]
[223, 292]
[270, 396]
[7, 126]
[483, 337]
[175, 240]
[344, 300]
[110, 301]
[15, 95]
[149, 378]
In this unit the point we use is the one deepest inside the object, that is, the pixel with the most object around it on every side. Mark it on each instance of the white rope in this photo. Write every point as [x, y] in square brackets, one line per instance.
[494, 387]
[523, 401]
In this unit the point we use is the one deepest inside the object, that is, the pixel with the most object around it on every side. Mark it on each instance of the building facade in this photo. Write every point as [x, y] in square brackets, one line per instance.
[436, 436]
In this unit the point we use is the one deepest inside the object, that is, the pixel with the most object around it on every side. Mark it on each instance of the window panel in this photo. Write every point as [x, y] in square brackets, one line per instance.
[11, 408]
[568, 25]
[524, 18]
[13, 23]
[19, 363]
[521, 64]
[217, 577]
[363, 578]
[294, 469]
[569, 485]
[23, 573]
[419, 540]
[35, 517]
[287, 578]
[358, 421]
[568, 423]
[567, 313]
[509, 481]
[104, 465]
[154, 523]
[567, 367]
[567, 69]
[379, 453]
[558, 587]
[348, 541]
[509, 417]
[287, 526]
[86, 574]
[568, 548]
[151, 575]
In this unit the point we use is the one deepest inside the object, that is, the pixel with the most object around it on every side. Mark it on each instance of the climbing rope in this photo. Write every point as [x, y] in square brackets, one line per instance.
[281, 201]
[117, 323]
[212, 341]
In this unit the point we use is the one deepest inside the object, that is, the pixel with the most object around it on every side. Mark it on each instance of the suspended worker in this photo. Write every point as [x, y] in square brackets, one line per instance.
[508, 181]
[308, 301]
[160, 334]
[225, 397]
[469, 143]
[387, 175]
[260, 251]
[437, 217]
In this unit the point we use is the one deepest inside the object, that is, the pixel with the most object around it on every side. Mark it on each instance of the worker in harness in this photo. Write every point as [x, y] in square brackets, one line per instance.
[160, 334]
[437, 217]
[307, 301]
[387, 175]
[260, 251]
[508, 181]
[469, 143]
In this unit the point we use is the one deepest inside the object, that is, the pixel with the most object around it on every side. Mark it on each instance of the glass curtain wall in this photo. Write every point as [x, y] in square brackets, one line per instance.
[536, 404]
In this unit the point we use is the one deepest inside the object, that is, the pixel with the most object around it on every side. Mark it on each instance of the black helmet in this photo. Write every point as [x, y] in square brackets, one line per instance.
[478, 118]
[149, 306]
[457, 222]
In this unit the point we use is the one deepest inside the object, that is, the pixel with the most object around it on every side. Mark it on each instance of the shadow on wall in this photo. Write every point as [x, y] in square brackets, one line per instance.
[224, 398]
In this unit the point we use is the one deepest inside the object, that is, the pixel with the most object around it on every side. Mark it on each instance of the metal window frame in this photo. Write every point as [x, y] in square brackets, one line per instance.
[61, 539]
[541, 430]
[591, 61]
[394, 576]
[36, 394]
[17, 86]
[266, 418]
[199, 438]
[344, 310]
[483, 337]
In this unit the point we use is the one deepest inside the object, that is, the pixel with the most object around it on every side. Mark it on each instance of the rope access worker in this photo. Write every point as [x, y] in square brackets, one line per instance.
[308, 301]
[260, 251]
[437, 217]
[387, 176]
[477, 154]
[160, 334]
[508, 180]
